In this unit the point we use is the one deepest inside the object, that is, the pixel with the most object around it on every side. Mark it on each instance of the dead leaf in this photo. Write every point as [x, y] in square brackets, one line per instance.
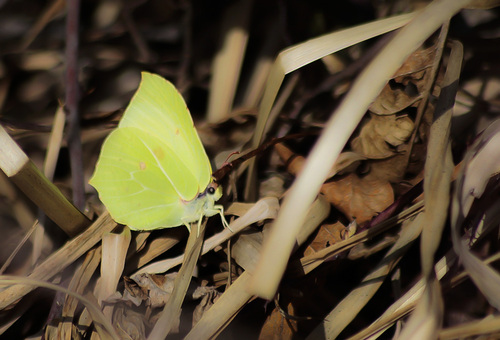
[129, 323]
[328, 234]
[157, 289]
[359, 198]
[278, 327]
[206, 302]
[395, 169]
[380, 133]
[134, 292]
[407, 84]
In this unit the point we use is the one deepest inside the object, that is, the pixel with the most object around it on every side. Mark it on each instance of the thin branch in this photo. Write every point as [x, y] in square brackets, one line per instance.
[72, 100]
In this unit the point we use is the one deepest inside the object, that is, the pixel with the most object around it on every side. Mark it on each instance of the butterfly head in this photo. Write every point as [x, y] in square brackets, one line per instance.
[213, 192]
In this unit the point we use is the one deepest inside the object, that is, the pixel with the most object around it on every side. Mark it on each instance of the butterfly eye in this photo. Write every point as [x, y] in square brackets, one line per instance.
[211, 190]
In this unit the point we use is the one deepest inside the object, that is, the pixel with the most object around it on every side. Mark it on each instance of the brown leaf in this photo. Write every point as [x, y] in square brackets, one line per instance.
[134, 292]
[278, 327]
[359, 198]
[381, 131]
[206, 302]
[129, 323]
[157, 289]
[406, 85]
[328, 234]
[395, 168]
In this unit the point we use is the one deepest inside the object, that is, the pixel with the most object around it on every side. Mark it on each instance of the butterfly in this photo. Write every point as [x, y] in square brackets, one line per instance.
[153, 171]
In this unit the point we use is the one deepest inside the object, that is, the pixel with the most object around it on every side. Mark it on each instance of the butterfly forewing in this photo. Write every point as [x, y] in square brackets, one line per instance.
[158, 109]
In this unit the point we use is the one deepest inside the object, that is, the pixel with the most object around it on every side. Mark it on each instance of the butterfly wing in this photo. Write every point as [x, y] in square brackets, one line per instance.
[158, 109]
[135, 177]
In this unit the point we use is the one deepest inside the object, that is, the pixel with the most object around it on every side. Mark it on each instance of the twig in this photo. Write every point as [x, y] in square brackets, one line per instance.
[427, 90]
[145, 54]
[182, 75]
[72, 100]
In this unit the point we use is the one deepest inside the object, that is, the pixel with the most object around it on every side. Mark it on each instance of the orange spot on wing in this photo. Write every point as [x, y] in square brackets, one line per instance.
[159, 153]
[142, 165]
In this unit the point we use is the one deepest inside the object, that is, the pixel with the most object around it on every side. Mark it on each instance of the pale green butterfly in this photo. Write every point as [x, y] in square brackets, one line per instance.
[153, 171]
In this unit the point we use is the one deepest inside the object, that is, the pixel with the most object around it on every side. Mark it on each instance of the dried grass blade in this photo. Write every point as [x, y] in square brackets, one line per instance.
[260, 72]
[155, 247]
[237, 295]
[18, 167]
[427, 319]
[223, 311]
[172, 310]
[49, 168]
[297, 56]
[97, 316]
[473, 329]
[60, 259]
[349, 307]
[406, 303]
[481, 161]
[12, 255]
[79, 282]
[266, 208]
[114, 252]
[228, 61]
[54, 145]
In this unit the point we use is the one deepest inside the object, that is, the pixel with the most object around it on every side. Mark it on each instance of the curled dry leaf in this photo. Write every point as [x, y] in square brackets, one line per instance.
[129, 323]
[359, 198]
[134, 292]
[154, 289]
[278, 326]
[157, 289]
[406, 85]
[208, 299]
[328, 234]
[379, 133]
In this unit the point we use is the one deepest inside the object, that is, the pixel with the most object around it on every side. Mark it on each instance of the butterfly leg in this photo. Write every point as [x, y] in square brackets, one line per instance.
[220, 210]
[199, 224]
[187, 224]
